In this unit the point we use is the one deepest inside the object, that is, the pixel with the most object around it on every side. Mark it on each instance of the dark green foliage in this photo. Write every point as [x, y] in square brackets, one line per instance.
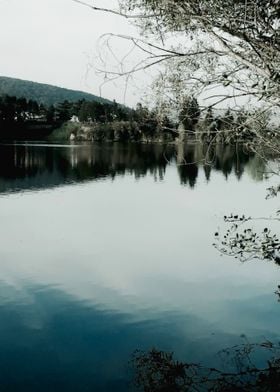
[64, 132]
[92, 111]
[63, 111]
[190, 113]
[43, 93]
[102, 120]
[114, 122]
[50, 114]
[19, 114]
[15, 110]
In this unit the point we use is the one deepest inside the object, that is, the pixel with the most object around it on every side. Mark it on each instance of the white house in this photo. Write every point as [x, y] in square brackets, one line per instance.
[74, 119]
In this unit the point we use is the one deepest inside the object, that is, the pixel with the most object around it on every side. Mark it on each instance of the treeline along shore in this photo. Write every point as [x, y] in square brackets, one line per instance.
[22, 119]
[82, 121]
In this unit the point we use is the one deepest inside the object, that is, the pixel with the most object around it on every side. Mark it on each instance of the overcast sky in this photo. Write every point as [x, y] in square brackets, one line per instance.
[54, 41]
[57, 41]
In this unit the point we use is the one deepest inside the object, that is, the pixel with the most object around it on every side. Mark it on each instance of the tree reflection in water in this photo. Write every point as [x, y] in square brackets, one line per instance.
[242, 370]
[27, 166]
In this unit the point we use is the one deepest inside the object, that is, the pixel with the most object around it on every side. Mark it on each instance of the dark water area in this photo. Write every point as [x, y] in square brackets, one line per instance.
[28, 130]
[40, 166]
[105, 249]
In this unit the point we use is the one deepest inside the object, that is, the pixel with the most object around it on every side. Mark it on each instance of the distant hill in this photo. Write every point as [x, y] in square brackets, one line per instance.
[43, 93]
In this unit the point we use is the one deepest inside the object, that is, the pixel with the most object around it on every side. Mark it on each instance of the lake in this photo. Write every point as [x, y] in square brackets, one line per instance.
[105, 249]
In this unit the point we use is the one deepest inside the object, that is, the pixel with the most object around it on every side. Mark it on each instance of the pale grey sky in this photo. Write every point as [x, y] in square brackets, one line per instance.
[53, 41]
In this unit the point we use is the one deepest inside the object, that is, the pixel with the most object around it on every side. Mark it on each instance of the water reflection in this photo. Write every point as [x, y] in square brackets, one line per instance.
[90, 273]
[52, 341]
[27, 166]
[226, 159]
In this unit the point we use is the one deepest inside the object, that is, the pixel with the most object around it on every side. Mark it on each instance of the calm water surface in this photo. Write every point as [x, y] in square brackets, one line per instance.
[108, 249]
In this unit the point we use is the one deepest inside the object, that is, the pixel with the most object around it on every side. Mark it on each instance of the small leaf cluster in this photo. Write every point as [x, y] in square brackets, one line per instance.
[273, 191]
[247, 244]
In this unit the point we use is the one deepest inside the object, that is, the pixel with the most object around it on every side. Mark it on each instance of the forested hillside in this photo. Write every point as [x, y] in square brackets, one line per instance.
[43, 93]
